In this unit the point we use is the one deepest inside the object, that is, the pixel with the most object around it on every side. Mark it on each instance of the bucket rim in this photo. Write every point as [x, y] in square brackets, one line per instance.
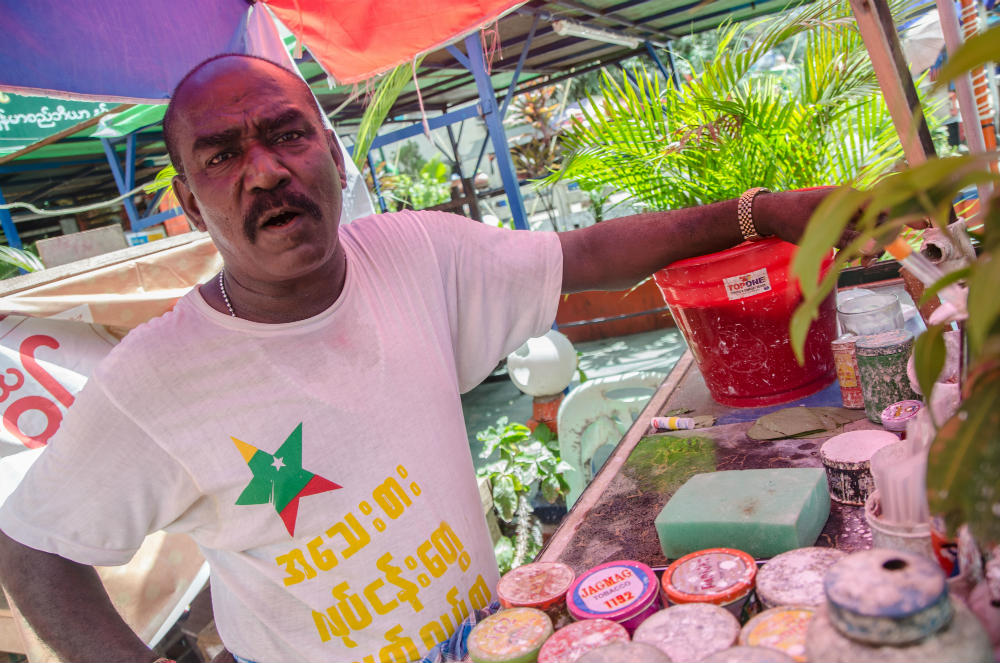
[728, 254]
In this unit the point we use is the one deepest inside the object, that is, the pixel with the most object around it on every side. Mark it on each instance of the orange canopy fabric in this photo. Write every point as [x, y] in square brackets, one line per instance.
[356, 40]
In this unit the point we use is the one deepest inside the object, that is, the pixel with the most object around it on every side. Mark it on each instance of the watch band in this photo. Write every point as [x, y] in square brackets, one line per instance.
[744, 214]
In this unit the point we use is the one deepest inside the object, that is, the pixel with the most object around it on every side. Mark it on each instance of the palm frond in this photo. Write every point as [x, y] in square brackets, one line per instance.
[20, 258]
[385, 96]
[731, 127]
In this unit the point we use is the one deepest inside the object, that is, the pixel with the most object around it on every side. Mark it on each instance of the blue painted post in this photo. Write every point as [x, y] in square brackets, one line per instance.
[672, 75]
[9, 229]
[120, 177]
[378, 189]
[510, 88]
[494, 125]
[673, 65]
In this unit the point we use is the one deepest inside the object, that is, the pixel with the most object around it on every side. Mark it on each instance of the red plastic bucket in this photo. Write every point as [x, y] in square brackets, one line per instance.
[733, 308]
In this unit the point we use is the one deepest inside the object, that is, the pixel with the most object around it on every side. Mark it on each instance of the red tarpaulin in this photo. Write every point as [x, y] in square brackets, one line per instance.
[355, 40]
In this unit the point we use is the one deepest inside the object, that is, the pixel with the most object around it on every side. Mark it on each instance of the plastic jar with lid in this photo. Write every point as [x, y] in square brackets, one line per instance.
[719, 576]
[623, 591]
[510, 636]
[540, 585]
[571, 642]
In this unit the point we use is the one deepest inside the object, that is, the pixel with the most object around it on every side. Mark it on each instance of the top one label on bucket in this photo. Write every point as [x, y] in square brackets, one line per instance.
[746, 285]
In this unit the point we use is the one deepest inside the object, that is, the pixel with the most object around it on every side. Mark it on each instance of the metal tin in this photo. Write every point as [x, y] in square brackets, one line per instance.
[796, 577]
[746, 654]
[962, 639]
[690, 631]
[847, 372]
[897, 415]
[720, 576]
[847, 459]
[573, 641]
[510, 636]
[882, 368]
[625, 652]
[887, 597]
[781, 628]
[623, 591]
[541, 585]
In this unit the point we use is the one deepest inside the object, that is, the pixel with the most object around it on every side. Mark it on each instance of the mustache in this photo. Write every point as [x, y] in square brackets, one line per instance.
[270, 200]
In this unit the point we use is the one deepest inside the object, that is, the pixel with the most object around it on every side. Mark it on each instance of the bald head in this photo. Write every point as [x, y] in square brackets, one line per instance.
[203, 73]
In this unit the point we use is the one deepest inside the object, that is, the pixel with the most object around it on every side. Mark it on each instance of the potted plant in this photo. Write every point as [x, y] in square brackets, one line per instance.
[964, 458]
[525, 461]
[732, 127]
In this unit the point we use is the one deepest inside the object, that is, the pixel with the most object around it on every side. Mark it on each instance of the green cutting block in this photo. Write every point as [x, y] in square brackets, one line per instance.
[761, 512]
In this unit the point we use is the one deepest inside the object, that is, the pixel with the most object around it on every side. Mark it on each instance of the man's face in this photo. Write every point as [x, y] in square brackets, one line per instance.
[261, 174]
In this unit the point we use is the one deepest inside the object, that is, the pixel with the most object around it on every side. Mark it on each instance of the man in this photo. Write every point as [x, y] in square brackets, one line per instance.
[299, 416]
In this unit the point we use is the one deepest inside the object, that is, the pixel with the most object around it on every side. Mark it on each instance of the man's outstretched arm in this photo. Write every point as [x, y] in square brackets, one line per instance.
[67, 606]
[617, 254]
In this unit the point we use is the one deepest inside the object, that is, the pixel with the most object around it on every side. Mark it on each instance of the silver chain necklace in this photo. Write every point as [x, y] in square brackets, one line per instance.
[225, 297]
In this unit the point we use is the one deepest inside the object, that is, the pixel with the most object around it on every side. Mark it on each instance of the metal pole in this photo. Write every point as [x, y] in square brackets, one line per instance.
[963, 90]
[510, 88]
[654, 56]
[375, 184]
[494, 125]
[120, 181]
[9, 229]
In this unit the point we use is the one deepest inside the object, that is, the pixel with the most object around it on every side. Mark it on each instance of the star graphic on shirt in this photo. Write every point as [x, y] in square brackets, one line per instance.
[279, 478]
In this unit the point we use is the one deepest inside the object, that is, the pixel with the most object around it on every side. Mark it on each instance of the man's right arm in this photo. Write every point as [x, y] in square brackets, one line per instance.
[67, 606]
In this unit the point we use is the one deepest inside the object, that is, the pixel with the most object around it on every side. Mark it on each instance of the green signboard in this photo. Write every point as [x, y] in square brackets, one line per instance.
[25, 120]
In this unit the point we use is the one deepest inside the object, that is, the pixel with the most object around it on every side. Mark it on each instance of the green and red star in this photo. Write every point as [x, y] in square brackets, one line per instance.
[279, 479]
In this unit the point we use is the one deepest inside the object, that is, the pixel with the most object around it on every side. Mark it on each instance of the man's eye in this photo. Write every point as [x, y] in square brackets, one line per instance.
[287, 136]
[219, 158]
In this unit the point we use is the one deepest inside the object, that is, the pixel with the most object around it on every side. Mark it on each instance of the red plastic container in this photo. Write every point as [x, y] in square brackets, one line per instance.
[733, 308]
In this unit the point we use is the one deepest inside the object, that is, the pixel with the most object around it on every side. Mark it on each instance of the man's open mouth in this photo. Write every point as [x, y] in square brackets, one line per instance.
[279, 219]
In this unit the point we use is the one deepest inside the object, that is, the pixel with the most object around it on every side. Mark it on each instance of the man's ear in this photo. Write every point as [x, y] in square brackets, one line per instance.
[338, 156]
[188, 202]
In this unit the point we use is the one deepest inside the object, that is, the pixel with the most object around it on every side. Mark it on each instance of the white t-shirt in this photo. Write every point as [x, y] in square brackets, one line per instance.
[322, 465]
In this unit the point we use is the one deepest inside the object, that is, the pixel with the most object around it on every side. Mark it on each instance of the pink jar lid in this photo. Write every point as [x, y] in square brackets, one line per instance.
[573, 641]
[535, 585]
[896, 416]
[616, 590]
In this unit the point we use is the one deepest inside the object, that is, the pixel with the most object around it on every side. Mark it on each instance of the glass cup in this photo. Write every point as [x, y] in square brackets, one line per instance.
[870, 314]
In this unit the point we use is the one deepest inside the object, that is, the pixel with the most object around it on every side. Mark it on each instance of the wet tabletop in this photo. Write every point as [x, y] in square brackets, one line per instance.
[614, 517]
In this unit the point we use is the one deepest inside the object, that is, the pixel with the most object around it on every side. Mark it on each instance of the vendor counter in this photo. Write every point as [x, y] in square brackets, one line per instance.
[613, 518]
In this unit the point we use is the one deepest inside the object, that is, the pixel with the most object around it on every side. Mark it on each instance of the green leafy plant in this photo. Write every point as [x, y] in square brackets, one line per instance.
[525, 461]
[731, 127]
[964, 459]
[389, 87]
[535, 151]
[429, 186]
[16, 260]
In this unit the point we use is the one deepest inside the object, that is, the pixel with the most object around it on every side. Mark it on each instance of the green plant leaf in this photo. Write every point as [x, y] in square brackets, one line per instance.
[825, 227]
[163, 180]
[983, 303]
[20, 258]
[543, 432]
[503, 550]
[798, 328]
[562, 467]
[550, 488]
[951, 277]
[385, 96]
[964, 463]
[980, 50]
[504, 497]
[929, 357]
